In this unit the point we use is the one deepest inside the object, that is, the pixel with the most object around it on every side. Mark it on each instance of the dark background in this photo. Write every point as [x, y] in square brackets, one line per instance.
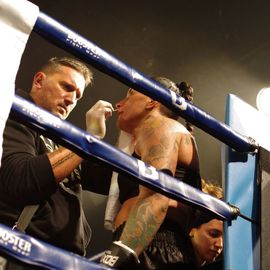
[218, 46]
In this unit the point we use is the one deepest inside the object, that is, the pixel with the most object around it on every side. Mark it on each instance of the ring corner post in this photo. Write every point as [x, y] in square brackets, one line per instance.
[242, 238]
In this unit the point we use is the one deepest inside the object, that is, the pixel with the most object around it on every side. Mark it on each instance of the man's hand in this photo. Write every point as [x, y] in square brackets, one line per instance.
[96, 117]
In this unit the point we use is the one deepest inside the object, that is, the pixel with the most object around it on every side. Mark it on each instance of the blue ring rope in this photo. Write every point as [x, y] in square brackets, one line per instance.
[87, 51]
[89, 147]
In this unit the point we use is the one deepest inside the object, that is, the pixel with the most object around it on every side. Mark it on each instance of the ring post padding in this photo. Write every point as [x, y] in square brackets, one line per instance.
[242, 238]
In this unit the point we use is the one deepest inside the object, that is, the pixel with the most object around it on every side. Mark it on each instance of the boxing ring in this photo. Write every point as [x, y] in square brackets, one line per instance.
[243, 197]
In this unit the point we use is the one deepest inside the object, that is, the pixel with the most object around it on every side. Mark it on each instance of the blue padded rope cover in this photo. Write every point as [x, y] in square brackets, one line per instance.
[90, 147]
[82, 48]
[35, 252]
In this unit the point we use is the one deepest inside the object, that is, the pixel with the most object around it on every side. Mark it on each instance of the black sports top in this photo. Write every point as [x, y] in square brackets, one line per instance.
[128, 188]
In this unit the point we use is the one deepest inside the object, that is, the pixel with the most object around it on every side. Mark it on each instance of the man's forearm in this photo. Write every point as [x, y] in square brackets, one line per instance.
[63, 162]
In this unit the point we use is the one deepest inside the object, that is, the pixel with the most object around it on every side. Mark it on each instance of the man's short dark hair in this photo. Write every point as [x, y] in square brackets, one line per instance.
[56, 62]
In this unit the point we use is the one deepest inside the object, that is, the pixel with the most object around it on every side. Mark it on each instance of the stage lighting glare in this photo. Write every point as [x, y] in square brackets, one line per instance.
[263, 100]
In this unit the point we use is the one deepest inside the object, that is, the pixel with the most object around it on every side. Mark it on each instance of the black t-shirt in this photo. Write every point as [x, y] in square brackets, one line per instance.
[26, 177]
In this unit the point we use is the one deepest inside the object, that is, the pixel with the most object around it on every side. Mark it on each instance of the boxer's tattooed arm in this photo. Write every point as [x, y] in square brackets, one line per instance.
[143, 222]
[159, 148]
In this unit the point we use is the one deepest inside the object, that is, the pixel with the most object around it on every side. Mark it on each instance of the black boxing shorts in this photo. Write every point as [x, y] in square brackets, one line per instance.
[162, 252]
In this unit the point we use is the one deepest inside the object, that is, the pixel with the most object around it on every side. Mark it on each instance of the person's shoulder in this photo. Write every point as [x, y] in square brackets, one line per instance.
[172, 125]
[18, 128]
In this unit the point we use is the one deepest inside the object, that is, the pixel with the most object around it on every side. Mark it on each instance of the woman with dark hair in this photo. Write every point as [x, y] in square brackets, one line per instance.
[148, 224]
[201, 244]
[202, 240]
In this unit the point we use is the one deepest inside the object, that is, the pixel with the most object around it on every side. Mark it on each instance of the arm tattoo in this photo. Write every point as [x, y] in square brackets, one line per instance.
[143, 223]
[186, 139]
[158, 146]
[161, 151]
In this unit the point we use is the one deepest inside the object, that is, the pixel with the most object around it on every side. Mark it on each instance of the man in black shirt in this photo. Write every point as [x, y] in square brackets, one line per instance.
[36, 171]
